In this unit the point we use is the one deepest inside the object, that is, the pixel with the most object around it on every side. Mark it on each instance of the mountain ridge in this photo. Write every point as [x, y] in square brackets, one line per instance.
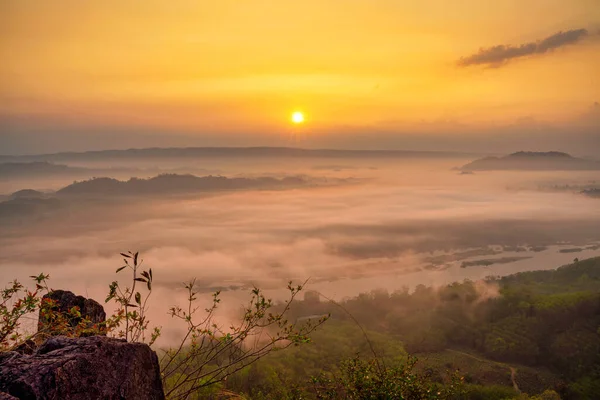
[227, 152]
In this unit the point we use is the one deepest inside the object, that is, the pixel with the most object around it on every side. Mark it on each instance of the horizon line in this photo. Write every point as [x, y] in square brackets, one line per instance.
[279, 148]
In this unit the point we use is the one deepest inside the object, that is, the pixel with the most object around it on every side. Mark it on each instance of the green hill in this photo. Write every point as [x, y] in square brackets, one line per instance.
[526, 332]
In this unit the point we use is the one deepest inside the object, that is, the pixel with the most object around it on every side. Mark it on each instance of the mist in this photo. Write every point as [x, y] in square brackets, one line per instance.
[358, 225]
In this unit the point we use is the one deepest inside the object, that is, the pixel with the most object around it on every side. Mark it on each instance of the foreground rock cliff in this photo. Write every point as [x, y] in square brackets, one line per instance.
[95, 367]
[82, 368]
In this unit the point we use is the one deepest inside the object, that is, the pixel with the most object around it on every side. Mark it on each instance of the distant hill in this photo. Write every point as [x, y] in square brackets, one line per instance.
[225, 152]
[173, 183]
[36, 168]
[532, 161]
[27, 194]
[591, 193]
[30, 202]
[19, 207]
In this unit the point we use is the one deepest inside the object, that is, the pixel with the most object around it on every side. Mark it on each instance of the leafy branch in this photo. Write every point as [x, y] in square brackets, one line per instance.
[208, 353]
[132, 304]
[16, 302]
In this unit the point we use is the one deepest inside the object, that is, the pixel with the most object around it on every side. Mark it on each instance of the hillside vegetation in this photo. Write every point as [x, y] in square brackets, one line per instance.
[527, 332]
[532, 161]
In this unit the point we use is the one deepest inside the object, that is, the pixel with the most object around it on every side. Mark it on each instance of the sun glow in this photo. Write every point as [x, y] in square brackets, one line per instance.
[297, 117]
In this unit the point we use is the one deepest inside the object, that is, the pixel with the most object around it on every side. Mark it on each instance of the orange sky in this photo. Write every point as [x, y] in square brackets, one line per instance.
[232, 65]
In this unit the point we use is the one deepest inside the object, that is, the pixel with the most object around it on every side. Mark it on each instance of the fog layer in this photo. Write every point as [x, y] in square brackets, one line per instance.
[397, 223]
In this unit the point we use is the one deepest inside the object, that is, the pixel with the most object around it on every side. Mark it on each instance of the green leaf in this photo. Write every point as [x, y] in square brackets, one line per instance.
[140, 279]
[138, 298]
[120, 269]
[125, 255]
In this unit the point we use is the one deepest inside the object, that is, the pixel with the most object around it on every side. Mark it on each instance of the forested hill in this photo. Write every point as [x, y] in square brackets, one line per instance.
[581, 275]
[532, 161]
[174, 183]
[532, 331]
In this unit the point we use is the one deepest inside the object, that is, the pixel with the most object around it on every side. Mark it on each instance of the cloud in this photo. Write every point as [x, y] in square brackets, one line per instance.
[499, 55]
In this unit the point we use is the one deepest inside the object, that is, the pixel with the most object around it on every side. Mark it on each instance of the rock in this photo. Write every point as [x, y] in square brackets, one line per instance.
[85, 368]
[65, 301]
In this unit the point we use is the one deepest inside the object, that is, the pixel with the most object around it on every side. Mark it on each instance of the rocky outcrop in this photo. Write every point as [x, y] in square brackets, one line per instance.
[66, 300]
[86, 368]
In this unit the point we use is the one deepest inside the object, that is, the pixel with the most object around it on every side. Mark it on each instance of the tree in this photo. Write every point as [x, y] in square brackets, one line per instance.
[209, 353]
[359, 379]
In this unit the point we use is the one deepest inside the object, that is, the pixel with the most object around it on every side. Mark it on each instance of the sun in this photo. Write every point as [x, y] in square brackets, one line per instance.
[297, 117]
